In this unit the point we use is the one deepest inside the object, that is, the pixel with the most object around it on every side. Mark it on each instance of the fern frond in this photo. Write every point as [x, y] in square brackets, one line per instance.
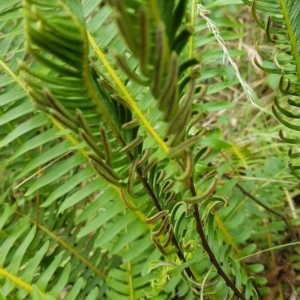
[109, 150]
[126, 93]
[282, 30]
[46, 184]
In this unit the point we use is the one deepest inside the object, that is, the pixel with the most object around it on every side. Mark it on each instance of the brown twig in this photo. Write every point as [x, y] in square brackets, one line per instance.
[159, 208]
[271, 210]
[208, 250]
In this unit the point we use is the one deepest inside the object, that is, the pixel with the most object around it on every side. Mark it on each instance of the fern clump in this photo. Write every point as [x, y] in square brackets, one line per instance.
[117, 184]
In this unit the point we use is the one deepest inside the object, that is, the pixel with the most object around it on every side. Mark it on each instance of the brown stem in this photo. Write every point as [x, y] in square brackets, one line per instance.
[208, 250]
[153, 197]
[282, 217]
[159, 208]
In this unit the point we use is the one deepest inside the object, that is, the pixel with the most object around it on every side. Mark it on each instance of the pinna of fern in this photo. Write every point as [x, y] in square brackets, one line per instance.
[282, 31]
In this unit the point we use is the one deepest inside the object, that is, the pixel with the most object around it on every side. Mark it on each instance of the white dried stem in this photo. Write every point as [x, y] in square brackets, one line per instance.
[203, 12]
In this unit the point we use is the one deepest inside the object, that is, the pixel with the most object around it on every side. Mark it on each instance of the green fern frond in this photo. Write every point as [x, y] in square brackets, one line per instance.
[109, 150]
[66, 153]
[283, 31]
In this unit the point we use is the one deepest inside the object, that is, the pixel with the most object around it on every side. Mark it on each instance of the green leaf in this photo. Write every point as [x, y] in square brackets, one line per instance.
[46, 156]
[32, 267]
[226, 188]
[115, 228]
[2, 296]
[213, 142]
[81, 194]
[238, 277]
[6, 246]
[37, 295]
[24, 108]
[256, 268]
[217, 87]
[73, 293]
[215, 106]
[183, 266]
[34, 142]
[56, 171]
[44, 279]
[16, 261]
[131, 235]
[137, 248]
[11, 95]
[224, 2]
[93, 295]
[63, 281]
[35, 122]
[68, 185]
[103, 217]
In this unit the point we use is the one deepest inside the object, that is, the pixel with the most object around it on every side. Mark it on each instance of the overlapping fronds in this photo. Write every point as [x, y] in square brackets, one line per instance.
[103, 146]
[58, 169]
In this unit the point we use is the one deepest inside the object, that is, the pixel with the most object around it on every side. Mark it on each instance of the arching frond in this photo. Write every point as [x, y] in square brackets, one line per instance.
[107, 161]
[282, 30]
